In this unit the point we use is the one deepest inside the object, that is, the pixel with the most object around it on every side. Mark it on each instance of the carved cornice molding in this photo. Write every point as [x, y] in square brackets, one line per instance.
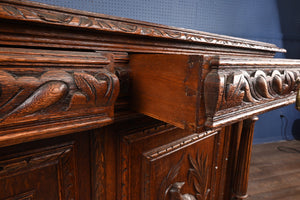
[35, 12]
[237, 88]
[44, 99]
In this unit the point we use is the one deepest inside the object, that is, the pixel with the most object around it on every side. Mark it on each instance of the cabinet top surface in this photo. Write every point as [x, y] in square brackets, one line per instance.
[48, 14]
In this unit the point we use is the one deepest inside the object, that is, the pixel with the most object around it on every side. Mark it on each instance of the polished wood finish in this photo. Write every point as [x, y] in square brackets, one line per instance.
[149, 72]
[100, 107]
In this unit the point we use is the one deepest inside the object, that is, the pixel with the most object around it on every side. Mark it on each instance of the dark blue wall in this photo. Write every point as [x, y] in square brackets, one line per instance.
[273, 21]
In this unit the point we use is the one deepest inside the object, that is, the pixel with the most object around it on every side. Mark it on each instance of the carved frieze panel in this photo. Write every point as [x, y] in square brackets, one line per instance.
[83, 94]
[53, 91]
[237, 88]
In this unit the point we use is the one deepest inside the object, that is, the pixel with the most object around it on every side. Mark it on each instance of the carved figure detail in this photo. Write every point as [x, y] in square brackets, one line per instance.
[198, 176]
[175, 193]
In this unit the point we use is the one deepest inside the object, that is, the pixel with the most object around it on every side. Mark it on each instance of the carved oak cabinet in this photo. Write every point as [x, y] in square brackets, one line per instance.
[100, 107]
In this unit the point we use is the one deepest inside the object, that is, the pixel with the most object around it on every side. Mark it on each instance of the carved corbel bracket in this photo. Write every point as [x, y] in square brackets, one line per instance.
[55, 93]
[237, 88]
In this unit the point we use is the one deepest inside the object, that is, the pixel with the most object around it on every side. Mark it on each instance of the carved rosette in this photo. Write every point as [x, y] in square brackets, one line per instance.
[231, 91]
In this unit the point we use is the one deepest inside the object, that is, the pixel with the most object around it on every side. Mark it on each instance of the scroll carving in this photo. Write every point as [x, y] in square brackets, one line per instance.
[198, 176]
[226, 91]
[54, 91]
[107, 24]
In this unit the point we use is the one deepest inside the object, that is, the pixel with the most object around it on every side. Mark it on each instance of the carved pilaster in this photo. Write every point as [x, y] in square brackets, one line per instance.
[240, 182]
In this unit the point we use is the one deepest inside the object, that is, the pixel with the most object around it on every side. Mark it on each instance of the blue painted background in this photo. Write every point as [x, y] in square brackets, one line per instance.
[273, 21]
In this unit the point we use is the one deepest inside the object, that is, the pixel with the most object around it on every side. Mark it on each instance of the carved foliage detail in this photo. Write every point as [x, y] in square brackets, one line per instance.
[54, 90]
[119, 26]
[198, 176]
[233, 89]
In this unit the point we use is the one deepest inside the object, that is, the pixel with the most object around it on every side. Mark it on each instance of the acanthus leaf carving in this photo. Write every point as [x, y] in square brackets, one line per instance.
[198, 175]
[226, 90]
[46, 95]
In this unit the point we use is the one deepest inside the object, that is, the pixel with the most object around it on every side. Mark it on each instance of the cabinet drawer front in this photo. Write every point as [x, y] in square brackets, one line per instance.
[49, 92]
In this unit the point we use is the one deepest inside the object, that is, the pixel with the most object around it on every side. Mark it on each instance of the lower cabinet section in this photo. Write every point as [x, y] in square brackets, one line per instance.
[167, 163]
[138, 159]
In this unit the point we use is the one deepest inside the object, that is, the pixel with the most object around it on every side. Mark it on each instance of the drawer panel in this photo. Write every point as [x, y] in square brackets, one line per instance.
[50, 92]
[192, 91]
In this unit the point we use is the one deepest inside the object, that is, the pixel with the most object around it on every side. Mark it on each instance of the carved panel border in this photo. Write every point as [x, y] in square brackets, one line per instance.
[237, 88]
[62, 156]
